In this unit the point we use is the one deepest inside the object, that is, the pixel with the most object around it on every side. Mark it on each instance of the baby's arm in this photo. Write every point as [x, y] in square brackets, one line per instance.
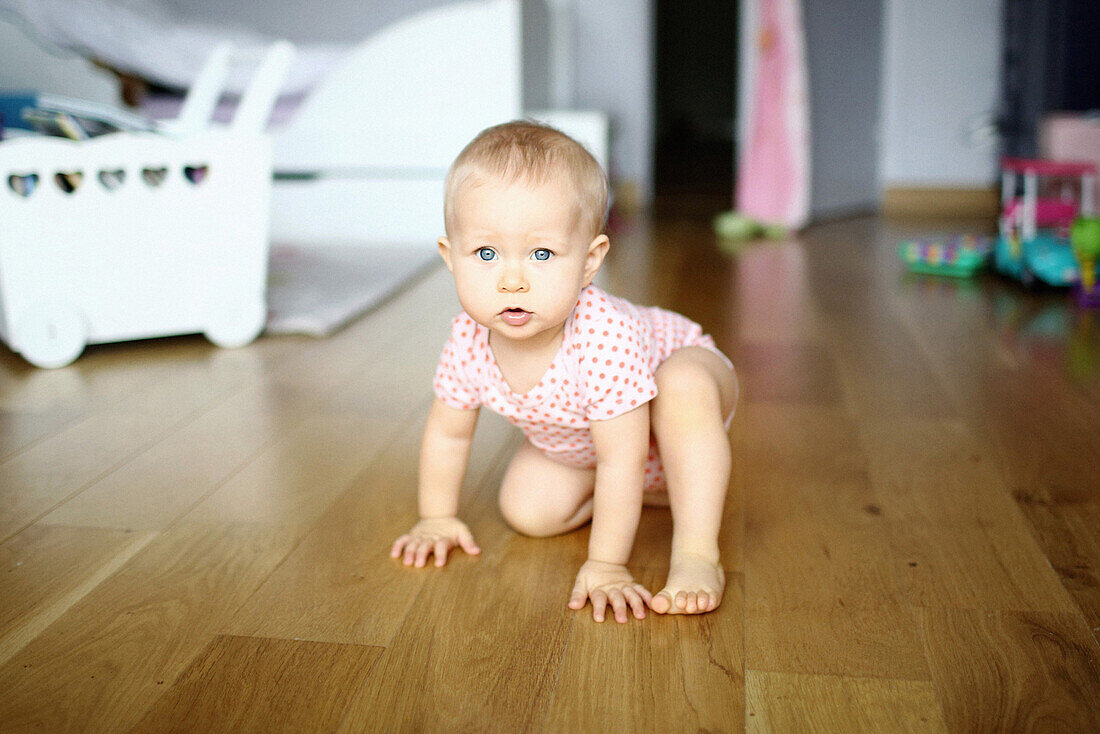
[622, 445]
[443, 456]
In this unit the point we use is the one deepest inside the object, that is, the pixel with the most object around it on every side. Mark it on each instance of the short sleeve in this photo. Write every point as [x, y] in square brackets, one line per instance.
[615, 369]
[451, 382]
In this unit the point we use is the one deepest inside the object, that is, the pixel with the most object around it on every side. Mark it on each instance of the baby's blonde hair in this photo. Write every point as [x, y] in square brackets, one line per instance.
[531, 152]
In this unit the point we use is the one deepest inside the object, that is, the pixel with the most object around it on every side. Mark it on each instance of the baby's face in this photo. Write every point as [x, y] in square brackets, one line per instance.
[519, 255]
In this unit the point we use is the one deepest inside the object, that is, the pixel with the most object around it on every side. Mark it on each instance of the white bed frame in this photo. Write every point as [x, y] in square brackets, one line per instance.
[363, 159]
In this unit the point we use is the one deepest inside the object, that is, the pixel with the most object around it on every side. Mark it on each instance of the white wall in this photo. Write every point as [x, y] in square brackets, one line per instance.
[941, 83]
[614, 73]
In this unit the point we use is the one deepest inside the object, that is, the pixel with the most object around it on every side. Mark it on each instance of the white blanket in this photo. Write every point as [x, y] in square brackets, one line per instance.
[140, 37]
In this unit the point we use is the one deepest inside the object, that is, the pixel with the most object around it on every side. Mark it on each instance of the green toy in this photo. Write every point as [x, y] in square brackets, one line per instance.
[1085, 239]
[735, 226]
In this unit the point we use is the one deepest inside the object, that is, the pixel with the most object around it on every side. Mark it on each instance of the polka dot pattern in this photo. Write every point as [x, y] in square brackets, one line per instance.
[605, 367]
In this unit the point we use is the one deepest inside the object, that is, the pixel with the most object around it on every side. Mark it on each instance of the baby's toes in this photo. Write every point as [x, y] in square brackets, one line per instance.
[661, 603]
[681, 600]
[692, 603]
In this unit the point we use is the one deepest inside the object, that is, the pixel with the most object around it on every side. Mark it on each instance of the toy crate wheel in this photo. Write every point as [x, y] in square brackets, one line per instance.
[236, 323]
[1028, 278]
[51, 335]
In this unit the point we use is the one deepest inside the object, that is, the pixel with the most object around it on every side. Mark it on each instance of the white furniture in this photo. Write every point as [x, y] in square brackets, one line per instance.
[135, 235]
[364, 156]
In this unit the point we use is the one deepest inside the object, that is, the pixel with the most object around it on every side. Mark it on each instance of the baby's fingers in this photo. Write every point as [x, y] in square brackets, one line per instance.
[440, 552]
[466, 540]
[618, 603]
[599, 604]
[636, 601]
[422, 553]
[399, 546]
[578, 597]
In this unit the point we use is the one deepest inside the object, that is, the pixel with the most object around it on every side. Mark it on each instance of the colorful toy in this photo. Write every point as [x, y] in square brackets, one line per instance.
[1033, 245]
[1085, 240]
[736, 227]
[959, 257]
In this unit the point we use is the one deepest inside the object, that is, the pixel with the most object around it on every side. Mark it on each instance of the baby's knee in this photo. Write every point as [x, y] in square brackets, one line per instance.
[533, 516]
[684, 379]
[699, 382]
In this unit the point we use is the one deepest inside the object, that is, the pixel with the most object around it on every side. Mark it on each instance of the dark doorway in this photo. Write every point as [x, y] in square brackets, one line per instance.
[1051, 64]
[696, 73]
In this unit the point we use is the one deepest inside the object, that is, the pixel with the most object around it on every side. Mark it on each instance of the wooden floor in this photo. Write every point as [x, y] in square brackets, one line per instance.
[196, 540]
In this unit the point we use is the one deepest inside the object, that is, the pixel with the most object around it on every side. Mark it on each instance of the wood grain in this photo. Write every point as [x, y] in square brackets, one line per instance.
[788, 702]
[670, 673]
[339, 584]
[252, 684]
[823, 593]
[481, 646]
[958, 537]
[1013, 671]
[910, 537]
[103, 662]
[47, 569]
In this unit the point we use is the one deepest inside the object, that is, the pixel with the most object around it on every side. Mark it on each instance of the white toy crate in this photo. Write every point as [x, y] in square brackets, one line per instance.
[165, 234]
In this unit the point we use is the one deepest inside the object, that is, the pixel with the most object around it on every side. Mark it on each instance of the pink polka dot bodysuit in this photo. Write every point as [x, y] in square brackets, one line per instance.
[605, 367]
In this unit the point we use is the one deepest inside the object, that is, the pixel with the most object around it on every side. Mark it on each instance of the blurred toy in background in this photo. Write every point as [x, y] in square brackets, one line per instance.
[734, 228]
[1085, 240]
[1033, 246]
[961, 256]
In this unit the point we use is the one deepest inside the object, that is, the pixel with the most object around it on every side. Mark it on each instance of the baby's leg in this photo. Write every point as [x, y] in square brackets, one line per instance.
[697, 390]
[541, 497]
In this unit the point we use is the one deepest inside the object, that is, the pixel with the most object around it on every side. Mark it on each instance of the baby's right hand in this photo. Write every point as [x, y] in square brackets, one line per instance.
[435, 535]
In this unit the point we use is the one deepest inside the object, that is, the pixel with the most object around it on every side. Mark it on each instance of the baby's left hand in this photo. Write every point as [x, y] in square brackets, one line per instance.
[605, 583]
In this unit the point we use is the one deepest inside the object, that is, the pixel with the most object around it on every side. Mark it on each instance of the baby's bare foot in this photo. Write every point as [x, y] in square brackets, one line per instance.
[695, 585]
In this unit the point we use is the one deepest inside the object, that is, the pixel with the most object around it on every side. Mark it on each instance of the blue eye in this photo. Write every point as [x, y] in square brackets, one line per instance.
[487, 254]
[541, 254]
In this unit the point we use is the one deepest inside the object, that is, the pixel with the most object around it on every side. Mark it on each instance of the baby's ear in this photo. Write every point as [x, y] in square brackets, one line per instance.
[445, 252]
[597, 250]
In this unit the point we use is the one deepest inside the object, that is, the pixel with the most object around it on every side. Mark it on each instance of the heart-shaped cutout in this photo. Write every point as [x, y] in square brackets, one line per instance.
[112, 180]
[154, 176]
[196, 174]
[24, 185]
[69, 181]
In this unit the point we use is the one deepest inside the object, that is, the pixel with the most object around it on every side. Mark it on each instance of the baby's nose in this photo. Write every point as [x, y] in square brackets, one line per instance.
[512, 280]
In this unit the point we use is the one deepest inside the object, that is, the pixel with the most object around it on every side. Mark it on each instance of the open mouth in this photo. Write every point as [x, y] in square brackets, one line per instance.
[515, 316]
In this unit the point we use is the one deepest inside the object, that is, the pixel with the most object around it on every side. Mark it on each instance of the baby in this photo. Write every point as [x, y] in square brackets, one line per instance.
[621, 405]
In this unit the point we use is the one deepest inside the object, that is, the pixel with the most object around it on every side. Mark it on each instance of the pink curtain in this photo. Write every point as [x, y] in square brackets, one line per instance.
[773, 176]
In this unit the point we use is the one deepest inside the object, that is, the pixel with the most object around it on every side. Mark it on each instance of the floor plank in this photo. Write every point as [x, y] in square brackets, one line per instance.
[497, 627]
[788, 702]
[44, 475]
[35, 403]
[47, 569]
[252, 684]
[339, 585]
[823, 594]
[1013, 671]
[910, 534]
[103, 663]
[959, 539]
[671, 673]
